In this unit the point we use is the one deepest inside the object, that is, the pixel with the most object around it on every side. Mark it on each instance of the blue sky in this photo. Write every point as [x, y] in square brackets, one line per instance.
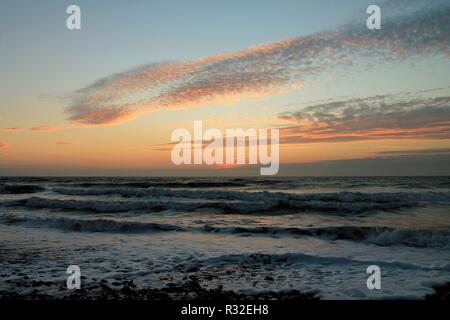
[119, 35]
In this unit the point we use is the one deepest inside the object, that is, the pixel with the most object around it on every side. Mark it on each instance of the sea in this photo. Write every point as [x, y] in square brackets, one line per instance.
[317, 235]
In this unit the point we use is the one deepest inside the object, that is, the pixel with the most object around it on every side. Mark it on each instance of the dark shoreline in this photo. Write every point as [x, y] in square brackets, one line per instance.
[441, 292]
[191, 290]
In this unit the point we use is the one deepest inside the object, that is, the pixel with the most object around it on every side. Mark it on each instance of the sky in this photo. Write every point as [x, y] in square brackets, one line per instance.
[105, 99]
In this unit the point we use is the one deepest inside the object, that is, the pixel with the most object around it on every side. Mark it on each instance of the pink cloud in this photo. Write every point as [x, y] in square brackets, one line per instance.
[400, 116]
[259, 71]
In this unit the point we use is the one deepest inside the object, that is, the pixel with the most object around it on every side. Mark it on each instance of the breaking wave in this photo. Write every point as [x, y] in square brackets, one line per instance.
[382, 236]
[89, 205]
[261, 205]
[346, 197]
[231, 201]
[290, 260]
[94, 225]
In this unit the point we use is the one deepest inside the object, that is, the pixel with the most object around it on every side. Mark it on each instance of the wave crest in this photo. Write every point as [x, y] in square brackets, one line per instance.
[383, 236]
[94, 225]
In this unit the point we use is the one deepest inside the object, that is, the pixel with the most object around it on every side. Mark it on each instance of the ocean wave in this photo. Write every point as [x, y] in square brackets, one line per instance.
[345, 196]
[150, 206]
[290, 260]
[383, 236]
[232, 206]
[93, 225]
[101, 206]
[265, 201]
[162, 184]
[20, 188]
[377, 235]
[236, 202]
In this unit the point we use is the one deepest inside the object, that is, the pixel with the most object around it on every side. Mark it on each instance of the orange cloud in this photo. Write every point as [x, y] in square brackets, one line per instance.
[64, 142]
[227, 166]
[11, 129]
[258, 71]
[47, 128]
[403, 116]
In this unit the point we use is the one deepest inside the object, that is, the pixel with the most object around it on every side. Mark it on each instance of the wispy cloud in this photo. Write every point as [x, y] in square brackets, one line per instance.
[261, 70]
[11, 129]
[399, 116]
[47, 128]
[64, 143]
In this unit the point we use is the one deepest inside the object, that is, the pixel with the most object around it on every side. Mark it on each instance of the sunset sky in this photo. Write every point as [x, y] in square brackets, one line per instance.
[104, 100]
